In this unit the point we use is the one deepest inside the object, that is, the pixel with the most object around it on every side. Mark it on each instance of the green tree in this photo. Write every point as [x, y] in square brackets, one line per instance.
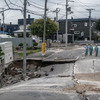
[37, 27]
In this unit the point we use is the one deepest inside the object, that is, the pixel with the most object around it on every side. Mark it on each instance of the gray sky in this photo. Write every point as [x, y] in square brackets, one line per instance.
[36, 6]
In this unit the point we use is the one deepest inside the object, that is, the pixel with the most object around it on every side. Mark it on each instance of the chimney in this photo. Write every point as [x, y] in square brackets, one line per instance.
[28, 16]
[10, 23]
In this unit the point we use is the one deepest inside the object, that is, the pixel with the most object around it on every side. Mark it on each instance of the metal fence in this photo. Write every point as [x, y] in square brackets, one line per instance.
[17, 41]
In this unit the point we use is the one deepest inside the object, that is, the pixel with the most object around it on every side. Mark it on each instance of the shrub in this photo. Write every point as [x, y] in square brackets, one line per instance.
[21, 45]
[35, 44]
[17, 48]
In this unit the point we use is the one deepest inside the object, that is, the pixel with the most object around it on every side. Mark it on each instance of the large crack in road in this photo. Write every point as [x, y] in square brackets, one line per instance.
[65, 78]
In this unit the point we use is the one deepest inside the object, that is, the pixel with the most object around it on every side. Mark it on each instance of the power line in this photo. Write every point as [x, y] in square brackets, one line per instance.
[9, 10]
[56, 3]
[7, 3]
[35, 6]
[36, 3]
[82, 3]
[28, 11]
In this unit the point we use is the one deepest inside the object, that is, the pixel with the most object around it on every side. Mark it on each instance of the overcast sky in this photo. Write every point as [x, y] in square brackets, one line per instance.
[37, 7]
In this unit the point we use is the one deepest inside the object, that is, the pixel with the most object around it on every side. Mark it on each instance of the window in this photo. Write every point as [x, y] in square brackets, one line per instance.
[82, 33]
[76, 32]
[74, 25]
[85, 24]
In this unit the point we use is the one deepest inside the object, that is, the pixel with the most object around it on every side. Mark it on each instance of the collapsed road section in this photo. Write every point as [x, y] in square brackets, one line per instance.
[13, 73]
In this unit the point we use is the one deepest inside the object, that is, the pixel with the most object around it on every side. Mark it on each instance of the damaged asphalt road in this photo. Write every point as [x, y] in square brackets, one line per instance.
[63, 82]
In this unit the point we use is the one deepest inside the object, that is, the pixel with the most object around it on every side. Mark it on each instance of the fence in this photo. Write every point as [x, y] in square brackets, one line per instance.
[16, 41]
[80, 42]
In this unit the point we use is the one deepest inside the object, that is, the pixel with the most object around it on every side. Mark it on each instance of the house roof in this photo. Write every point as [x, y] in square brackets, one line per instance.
[5, 36]
[77, 20]
[21, 31]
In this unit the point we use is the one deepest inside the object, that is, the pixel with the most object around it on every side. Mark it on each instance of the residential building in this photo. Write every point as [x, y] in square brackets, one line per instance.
[20, 31]
[28, 22]
[78, 27]
[9, 28]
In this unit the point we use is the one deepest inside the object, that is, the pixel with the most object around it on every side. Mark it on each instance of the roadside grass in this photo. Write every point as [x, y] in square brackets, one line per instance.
[29, 52]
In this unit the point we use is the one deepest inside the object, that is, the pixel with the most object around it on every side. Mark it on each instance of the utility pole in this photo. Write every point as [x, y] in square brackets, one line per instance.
[66, 26]
[0, 26]
[44, 32]
[24, 42]
[3, 21]
[57, 10]
[45, 17]
[90, 10]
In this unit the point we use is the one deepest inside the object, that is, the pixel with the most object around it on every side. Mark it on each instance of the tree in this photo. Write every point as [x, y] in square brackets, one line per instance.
[97, 26]
[37, 27]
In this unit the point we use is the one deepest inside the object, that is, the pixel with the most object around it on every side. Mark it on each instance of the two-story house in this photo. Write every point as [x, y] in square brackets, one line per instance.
[78, 27]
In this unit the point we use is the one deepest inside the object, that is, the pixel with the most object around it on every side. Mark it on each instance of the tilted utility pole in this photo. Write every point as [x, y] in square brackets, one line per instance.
[66, 26]
[90, 10]
[3, 21]
[24, 42]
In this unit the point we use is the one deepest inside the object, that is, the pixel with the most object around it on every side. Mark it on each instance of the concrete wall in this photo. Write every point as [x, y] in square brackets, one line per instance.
[16, 41]
[8, 52]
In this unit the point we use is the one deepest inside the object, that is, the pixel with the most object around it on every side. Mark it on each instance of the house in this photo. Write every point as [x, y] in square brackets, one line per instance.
[78, 27]
[28, 22]
[10, 28]
[20, 31]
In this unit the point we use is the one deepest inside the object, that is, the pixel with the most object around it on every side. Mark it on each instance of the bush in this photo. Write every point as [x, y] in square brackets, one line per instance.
[21, 45]
[35, 44]
[29, 48]
[17, 48]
